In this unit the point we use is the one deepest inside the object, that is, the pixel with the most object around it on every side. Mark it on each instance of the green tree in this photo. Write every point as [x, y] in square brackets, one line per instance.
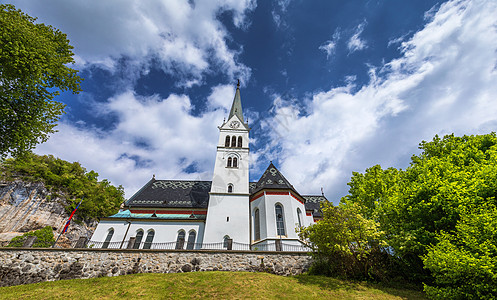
[33, 70]
[435, 192]
[437, 214]
[464, 261]
[370, 189]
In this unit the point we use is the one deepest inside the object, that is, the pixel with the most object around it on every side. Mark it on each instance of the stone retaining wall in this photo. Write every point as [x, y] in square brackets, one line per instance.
[22, 266]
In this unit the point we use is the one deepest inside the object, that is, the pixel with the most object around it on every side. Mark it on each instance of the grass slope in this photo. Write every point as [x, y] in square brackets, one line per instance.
[220, 285]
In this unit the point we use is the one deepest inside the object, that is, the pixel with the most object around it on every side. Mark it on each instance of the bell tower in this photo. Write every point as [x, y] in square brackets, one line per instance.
[228, 211]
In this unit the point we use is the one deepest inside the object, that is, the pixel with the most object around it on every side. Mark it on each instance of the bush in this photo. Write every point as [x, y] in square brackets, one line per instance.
[346, 244]
[45, 238]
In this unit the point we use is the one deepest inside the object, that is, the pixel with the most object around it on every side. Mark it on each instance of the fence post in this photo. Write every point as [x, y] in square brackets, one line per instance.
[278, 245]
[230, 244]
[131, 242]
[81, 243]
[30, 240]
[180, 244]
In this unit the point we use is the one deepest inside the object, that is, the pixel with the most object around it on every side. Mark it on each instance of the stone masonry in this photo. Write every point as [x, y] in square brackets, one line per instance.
[23, 266]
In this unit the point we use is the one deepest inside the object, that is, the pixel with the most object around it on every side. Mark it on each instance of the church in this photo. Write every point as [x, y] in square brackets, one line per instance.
[229, 212]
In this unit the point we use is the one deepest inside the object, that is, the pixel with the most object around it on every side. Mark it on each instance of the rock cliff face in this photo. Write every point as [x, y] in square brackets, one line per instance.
[28, 206]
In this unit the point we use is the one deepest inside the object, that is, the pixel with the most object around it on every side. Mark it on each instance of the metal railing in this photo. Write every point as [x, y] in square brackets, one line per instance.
[235, 246]
[280, 246]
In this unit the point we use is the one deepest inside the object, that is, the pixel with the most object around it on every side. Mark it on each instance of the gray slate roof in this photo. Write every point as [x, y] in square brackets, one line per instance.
[273, 179]
[195, 194]
[236, 107]
[313, 203]
[172, 194]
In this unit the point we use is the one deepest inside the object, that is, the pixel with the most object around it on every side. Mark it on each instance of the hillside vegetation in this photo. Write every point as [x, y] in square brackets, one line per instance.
[71, 179]
[208, 285]
[44, 238]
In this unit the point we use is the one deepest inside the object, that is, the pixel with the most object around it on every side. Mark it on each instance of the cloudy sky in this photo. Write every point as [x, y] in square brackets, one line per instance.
[328, 87]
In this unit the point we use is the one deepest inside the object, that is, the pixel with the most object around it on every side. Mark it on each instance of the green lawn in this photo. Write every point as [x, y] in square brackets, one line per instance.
[219, 285]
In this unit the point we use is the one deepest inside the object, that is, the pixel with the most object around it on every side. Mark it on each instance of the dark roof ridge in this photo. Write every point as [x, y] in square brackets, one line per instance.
[172, 193]
[140, 190]
[307, 195]
[276, 180]
[183, 180]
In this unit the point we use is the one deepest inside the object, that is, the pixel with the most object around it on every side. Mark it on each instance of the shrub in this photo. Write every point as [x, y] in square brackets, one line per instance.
[45, 238]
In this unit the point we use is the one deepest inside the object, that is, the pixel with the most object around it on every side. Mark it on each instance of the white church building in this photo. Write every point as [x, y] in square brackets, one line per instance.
[228, 212]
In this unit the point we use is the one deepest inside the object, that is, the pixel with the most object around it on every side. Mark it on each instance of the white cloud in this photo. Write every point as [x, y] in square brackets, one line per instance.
[355, 43]
[444, 82]
[398, 40]
[330, 45]
[219, 97]
[151, 136]
[186, 39]
[279, 10]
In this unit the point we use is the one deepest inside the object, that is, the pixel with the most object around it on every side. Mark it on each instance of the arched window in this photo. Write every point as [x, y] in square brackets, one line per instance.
[191, 240]
[226, 241]
[138, 240]
[180, 241]
[233, 141]
[239, 142]
[299, 216]
[227, 142]
[235, 162]
[149, 239]
[257, 225]
[108, 238]
[230, 188]
[280, 222]
[229, 162]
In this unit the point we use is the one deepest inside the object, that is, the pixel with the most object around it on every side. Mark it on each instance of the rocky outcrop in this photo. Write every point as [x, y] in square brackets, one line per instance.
[26, 206]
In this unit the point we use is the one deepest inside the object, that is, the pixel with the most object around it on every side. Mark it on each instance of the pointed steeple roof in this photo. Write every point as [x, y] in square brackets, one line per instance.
[273, 179]
[236, 107]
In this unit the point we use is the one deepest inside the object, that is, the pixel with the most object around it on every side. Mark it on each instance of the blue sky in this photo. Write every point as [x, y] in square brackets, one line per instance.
[329, 87]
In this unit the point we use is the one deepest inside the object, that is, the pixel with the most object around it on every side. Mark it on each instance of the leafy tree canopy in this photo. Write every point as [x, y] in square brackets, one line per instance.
[449, 177]
[464, 262]
[439, 213]
[33, 70]
[100, 197]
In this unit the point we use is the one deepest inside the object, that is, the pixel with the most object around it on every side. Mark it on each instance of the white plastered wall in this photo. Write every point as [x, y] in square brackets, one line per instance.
[228, 214]
[166, 231]
[309, 220]
[258, 204]
[267, 203]
[238, 177]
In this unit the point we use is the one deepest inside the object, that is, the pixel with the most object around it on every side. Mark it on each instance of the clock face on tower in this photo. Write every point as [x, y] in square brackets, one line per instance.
[234, 124]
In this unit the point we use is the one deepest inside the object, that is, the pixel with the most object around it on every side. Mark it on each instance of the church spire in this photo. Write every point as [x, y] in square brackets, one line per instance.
[236, 107]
